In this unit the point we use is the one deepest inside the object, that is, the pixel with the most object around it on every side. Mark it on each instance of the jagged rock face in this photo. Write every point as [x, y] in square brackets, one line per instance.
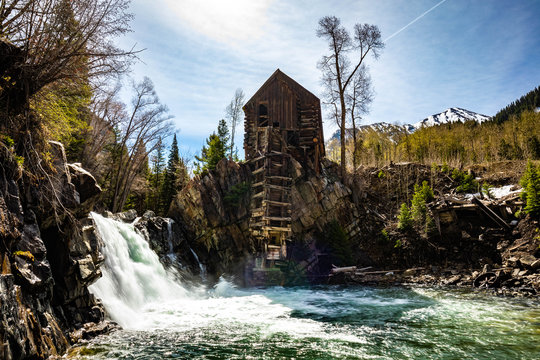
[221, 231]
[47, 260]
[216, 221]
[167, 238]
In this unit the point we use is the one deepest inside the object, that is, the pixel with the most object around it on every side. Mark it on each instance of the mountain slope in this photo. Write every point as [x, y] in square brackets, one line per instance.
[450, 116]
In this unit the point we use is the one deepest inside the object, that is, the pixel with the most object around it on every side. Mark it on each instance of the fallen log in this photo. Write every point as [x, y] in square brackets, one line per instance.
[337, 270]
[386, 271]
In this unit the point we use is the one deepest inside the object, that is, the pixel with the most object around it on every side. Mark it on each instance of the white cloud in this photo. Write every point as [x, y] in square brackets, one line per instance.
[229, 22]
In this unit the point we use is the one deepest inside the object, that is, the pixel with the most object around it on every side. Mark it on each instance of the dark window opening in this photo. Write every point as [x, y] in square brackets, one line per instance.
[263, 115]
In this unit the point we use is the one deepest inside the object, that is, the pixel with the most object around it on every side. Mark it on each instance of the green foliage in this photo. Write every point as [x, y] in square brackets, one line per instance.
[524, 181]
[456, 143]
[381, 174]
[531, 185]
[529, 101]
[64, 113]
[445, 168]
[384, 236]
[405, 221]
[8, 141]
[398, 244]
[486, 190]
[174, 171]
[422, 195]
[233, 197]
[10, 144]
[215, 149]
[466, 182]
[335, 240]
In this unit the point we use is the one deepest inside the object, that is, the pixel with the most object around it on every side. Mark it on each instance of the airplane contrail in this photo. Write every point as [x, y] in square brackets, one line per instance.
[415, 20]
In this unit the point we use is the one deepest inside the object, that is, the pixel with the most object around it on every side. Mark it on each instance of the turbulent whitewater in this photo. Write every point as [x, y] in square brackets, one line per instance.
[163, 319]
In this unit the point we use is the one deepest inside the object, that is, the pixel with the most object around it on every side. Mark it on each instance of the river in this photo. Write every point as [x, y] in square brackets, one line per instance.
[163, 319]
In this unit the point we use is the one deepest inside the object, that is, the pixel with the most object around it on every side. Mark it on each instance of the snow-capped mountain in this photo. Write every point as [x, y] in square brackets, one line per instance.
[450, 116]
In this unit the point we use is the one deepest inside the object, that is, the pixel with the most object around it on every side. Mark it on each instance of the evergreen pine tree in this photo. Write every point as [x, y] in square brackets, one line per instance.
[223, 133]
[533, 194]
[215, 150]
[422, 195]
[524, 181]
[405, 221]
[169, 189]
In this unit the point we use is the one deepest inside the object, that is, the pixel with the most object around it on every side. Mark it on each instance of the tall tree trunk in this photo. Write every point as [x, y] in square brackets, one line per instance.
[343, 158]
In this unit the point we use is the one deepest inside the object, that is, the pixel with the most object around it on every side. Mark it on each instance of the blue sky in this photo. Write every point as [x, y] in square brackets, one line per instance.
[478, 55]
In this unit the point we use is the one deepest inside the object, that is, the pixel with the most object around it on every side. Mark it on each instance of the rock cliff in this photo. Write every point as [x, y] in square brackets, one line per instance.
[48, 257]
[214, 210]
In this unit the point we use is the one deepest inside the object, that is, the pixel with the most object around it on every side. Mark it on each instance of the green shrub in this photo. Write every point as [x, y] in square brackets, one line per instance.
[405, 221]
[530, 181]
[466, 182]
[384, 236]
[422, 195]
[486, 190]
[445, 168]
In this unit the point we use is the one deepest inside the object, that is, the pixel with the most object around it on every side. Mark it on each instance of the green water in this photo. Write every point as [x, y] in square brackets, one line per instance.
[327, 323]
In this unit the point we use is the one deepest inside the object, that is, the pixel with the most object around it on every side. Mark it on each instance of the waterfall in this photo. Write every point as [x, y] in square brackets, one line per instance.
[133, 277]
[202, 268]
[171, 255]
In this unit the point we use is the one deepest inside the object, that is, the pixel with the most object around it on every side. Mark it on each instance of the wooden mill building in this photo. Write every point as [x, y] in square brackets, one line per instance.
[282, 121]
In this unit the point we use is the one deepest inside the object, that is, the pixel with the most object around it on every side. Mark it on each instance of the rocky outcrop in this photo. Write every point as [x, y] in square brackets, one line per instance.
[167, 238]
[215, 208]
[216, 218]
[49, 255]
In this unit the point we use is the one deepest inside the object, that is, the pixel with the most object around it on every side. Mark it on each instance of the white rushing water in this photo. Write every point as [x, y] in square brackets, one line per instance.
[163, 319]
[133, 277]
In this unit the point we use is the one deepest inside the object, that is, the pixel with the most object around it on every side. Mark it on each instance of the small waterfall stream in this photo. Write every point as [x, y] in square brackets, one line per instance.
[133, 276]
[171, 255]
[163, 319]
[202, 268]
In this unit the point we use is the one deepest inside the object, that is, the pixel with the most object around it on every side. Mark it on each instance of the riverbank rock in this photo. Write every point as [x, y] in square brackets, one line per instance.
[49, 257]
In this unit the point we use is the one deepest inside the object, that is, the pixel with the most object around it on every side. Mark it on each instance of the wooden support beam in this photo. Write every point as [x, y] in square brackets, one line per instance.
[276, 228]
[259, 170]
[276, 203]
[275, 218]
[279, 178]
[277, 187]
[260, 183]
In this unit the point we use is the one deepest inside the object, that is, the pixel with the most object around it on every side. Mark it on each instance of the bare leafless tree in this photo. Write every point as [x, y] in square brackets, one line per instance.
[234, 113]
[138, 134]
[338, 70]
[62, 39]
[358, 100]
